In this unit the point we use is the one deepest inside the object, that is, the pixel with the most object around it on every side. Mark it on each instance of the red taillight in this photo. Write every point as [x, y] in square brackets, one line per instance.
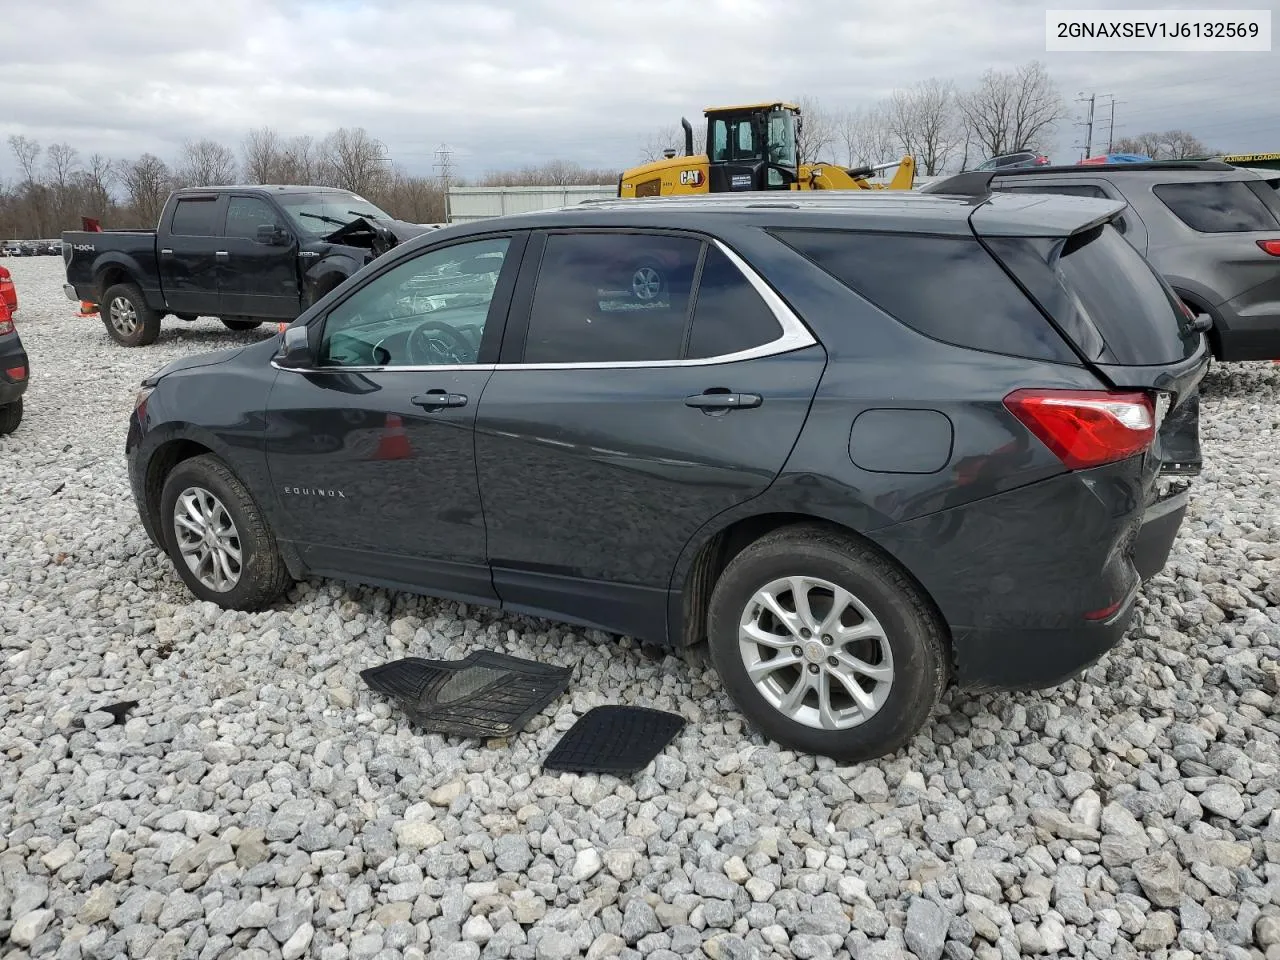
[1105, 613]
[1086, 428]
[1270, 246]
[16, 373]
[5, 275]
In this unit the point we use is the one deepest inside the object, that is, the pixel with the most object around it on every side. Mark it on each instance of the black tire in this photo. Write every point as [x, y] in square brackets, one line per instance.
[240, 325]
[915, 635]
[262, 575]
[10, 417]
[137, 329]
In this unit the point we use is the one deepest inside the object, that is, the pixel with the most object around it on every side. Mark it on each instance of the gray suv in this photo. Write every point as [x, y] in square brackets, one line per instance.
[1212, 230]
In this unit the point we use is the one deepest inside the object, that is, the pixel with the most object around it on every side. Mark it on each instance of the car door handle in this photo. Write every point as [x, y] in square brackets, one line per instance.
[435, 399]
[723, 401]
[222, 255]
[166, 252]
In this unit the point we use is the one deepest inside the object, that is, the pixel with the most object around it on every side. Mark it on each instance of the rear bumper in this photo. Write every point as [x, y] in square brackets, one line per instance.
[1003, 659]
[1160, 525]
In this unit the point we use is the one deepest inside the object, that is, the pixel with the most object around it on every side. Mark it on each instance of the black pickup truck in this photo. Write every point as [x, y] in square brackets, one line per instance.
[243, 254]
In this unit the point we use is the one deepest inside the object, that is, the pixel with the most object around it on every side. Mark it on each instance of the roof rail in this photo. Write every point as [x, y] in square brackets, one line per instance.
[977, 183]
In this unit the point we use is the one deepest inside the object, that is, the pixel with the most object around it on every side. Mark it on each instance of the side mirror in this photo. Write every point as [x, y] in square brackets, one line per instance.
[295, 349]
[272, 235]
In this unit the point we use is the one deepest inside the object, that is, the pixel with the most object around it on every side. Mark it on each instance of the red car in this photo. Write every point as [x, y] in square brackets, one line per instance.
[8, 292]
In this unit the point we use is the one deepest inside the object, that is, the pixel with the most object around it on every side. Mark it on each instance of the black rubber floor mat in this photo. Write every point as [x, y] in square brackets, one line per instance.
[486, 695]
[614, 739]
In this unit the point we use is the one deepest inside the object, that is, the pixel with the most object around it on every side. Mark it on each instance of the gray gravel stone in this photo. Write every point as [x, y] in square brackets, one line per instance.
[926, 931]
[260, 802]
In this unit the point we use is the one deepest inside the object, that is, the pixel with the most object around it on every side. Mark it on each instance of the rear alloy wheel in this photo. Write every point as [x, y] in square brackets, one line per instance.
[10, 417]
[816, 653]
[218, 538]
[825, 645]
[128, 319]
[240, 325]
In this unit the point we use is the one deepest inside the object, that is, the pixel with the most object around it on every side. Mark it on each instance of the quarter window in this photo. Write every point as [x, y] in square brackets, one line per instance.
[729, 315]
[428, 311]
[947, 288]
[1223, 207]
[194, 217]
[246, 214]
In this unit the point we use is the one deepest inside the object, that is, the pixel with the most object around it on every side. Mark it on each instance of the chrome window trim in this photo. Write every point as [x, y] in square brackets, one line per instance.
[795, 335]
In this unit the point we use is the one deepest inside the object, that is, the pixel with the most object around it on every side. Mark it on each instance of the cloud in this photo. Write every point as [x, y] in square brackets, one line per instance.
[510, 82]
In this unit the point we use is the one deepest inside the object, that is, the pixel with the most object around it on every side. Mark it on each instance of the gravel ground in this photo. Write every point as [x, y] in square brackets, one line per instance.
[260, 802]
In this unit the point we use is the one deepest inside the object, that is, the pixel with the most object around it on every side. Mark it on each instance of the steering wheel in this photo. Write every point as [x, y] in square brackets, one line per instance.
[425, 348]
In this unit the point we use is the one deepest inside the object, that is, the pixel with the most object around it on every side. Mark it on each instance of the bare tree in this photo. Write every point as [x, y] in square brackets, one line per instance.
[817, 130]
[61, 159]
[865, 135]
[206, 163]
[353, 160]
[672, 138]
[299, 162]
[1010, 111]
[262, 154]
[554, 173]
[27, 152]
[148, 181]
[1165, 145]
[416, 199]
[923, 120]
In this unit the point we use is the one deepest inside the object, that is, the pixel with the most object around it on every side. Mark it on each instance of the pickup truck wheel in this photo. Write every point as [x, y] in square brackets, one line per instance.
[242, 324]
[10, 417]
[128, 319]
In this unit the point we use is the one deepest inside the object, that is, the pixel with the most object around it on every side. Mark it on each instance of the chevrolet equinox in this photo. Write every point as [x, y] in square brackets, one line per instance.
[864, 445]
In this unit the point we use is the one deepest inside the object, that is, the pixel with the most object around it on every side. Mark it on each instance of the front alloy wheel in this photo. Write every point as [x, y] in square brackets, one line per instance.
[816, 653]
[207, 539]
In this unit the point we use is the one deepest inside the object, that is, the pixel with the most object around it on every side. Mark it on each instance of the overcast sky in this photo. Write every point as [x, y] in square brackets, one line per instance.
[510, 82]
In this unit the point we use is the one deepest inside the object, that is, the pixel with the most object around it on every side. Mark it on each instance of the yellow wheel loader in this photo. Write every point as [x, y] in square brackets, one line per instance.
[751, 147]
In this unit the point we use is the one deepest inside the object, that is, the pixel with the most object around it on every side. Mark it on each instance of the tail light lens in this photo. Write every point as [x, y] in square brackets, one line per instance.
[1270, 246]
[1087, 428]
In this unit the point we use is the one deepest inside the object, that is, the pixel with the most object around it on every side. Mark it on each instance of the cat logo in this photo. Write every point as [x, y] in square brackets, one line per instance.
[691, 178]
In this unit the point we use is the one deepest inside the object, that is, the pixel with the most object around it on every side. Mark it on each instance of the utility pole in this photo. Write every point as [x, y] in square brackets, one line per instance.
[1111, 123]
[444, 163]
[1088, 124]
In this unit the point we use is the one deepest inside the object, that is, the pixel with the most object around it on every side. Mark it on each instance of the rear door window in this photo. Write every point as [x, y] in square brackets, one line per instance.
[612, 298]
[948, 288]
[1217, 207]
[195, 217]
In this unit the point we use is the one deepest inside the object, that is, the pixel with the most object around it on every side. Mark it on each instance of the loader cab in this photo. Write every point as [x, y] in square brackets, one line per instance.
[752, 147]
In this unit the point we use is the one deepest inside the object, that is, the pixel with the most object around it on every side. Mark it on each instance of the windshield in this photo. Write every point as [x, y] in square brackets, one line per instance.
[323, 213]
